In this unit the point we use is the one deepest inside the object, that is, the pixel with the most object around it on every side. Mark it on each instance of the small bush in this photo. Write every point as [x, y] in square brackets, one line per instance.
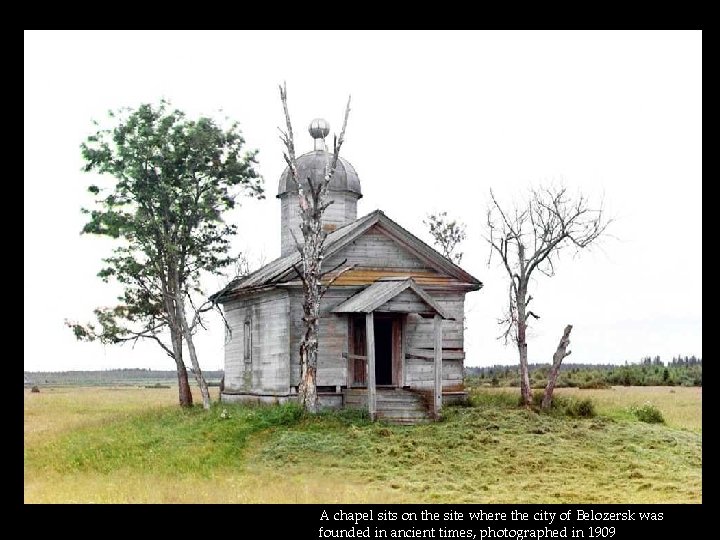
[568, 406]
[648, 413]
[583, 408]
[537, 398]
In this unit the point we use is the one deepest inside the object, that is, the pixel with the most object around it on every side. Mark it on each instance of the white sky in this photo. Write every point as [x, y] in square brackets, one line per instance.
[437, 119]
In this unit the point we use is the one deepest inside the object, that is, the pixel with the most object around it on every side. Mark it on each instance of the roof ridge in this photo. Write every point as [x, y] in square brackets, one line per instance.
[277, 269]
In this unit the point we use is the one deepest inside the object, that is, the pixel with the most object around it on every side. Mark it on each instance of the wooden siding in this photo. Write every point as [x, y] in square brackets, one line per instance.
[333, 339]
[406, 302]
[420, 335]
[268, 369]
[375, 249]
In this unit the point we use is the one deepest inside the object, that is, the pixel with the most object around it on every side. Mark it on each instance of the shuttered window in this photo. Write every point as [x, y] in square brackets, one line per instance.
[247, 337]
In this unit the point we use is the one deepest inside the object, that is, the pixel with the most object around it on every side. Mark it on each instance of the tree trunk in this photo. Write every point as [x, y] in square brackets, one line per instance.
[525, 390]
[557, 360]
[185, 395]
[176, 337]
[202, 383]
[307, 389]
[312, 270]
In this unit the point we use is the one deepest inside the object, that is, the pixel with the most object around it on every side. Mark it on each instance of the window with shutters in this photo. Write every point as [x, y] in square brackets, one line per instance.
[247, 337]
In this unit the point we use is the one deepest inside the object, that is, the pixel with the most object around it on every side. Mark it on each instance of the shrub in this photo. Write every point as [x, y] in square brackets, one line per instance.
[648, 413]
[568, 406]
[583, 408]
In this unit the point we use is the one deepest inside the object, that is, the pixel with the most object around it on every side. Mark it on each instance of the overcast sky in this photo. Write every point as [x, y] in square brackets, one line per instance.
[438, 118]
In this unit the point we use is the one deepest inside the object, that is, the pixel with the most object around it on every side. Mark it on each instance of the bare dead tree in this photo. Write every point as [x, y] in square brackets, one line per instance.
[313, 201]
[529, 237]
[560, 353]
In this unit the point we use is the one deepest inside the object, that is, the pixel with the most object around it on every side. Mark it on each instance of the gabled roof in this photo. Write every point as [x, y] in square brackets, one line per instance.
[282, 268]
[381, 292]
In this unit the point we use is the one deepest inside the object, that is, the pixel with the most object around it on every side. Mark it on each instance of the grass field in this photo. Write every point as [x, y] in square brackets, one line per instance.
[136, 445]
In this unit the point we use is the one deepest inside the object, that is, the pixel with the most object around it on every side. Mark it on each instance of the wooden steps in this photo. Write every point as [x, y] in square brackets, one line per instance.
[393, 405]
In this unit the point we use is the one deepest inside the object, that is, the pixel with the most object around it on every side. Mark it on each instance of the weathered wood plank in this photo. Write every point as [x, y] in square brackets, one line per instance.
[333, 340]
[430, 354]
[265, 316]
[397, 354]
[374, 249]
[370, 336]
[438, 365]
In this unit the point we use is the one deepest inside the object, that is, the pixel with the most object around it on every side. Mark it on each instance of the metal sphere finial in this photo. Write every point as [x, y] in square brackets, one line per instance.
[319, 128]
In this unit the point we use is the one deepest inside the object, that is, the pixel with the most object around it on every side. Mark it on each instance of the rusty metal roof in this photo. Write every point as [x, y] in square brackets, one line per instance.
[281, 269]
[382, 291]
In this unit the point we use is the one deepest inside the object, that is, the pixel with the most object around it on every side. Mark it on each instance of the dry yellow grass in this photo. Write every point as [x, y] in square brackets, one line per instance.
[681, 406]
[58, 410]
[261, 485]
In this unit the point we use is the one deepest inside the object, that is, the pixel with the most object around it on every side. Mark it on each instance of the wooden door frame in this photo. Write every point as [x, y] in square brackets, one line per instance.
[351, 354]
[398, 360]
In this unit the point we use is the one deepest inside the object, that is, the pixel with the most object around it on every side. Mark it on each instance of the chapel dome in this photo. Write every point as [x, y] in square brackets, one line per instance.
[313, 164]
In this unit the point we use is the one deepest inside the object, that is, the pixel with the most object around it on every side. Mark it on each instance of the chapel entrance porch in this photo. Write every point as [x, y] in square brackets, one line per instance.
[383, 307]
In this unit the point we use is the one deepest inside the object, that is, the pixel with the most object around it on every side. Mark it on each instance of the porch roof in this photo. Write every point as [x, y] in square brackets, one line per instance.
[379, 296]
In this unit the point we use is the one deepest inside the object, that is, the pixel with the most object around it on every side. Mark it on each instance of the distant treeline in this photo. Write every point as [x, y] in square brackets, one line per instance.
[125, 376]
[681, 371]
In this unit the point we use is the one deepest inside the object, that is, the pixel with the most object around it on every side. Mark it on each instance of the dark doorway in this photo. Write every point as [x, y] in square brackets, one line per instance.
[383, 351]
[387, 330]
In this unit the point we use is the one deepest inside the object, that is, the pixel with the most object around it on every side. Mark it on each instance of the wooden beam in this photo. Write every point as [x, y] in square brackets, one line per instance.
[429, 354]
[370, 351]
[438, 366]
[403, 359]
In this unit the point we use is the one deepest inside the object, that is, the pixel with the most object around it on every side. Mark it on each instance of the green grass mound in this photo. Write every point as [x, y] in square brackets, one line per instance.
[491, 451]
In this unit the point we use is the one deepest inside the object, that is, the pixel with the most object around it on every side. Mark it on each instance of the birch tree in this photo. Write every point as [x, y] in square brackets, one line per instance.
[313, 201]
[529, 238]
[171, 179]
[447, 235]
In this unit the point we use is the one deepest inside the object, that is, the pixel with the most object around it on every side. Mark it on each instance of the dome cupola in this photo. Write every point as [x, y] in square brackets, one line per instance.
[344, 189]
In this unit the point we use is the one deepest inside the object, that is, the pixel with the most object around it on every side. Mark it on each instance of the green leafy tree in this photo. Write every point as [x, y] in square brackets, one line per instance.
[172, 179]
[447, 234]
